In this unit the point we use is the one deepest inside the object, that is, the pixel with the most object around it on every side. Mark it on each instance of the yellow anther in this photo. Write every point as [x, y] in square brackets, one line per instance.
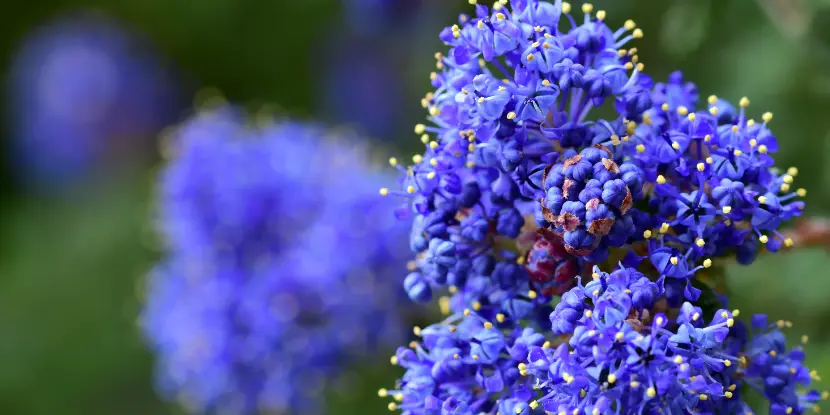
[612, 378]
[789, 410]
[727, 209]
[724, 314]
[647, 234]
[673, 260]
[531, 294]
[707, 263]
[792, 171]
[433, 162]
[530, 57]
[546, 83]
[788, 242]
[732, 387]
[384, 191]
[703, 397]
[470, 164]
[785, 187]
[535, 44]
[727, 363]
[659, 321]
[737, 152]
[619, 336]
[641, 148]
[419, 128]
[712, 99]
[713, 110]
[622, 52]
[467, 312]
[640, 66]
[546, 345]
[709, 160]
[382, 392]
[661, 179]
[416, 331]
[701, 167]
[700, 242]
[651, 392]
[691, 116]
[664, 107]
[588, 313]
[511, 115]
[801, 192]
[734, 128]
[392, 406]
[433, 145]
[595, 276]
[753, 142]
[601, 15]
[764, 239]
[634, 384]
[681, 110]
[500, 317]
[522, 366]
[566, 7]
[727, 395]
[533, 405]
[471, 147]
[587, 8]
[637, 33]
[767, 117]
[500, 16]
[750, 123]
[695, 316]
[773, 353]
[678, 359]
[736, 312]
[425, 138]
[410, 189]
[476, 305]
[488, 325]
[762, 199]
[629, 24]
[730, 322]
[675, 145]
[647, 119]
[744, 102]
[707, 138]
[762, 149]
[393, 360]
[664, 227]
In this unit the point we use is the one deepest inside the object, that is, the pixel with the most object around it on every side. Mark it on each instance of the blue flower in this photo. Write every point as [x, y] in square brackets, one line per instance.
[81, 89]
[273, 271]
[519, 82]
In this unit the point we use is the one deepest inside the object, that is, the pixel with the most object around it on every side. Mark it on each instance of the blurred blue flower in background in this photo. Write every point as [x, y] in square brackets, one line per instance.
[80, 91]
[278, 262]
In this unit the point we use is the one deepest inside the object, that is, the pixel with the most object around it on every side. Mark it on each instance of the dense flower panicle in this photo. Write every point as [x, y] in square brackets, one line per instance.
[516, 86]
[273, 270]
[521, 192]
[625, 356]
[81, 89]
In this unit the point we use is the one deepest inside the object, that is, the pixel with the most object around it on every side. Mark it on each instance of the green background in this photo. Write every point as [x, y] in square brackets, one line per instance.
[71, 267]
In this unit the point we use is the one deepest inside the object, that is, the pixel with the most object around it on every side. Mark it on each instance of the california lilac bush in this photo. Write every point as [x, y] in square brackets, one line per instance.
[276, 248]
[82, 89]
[575, 212]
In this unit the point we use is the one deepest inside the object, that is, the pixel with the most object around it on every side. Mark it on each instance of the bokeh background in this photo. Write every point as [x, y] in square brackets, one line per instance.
[76, 241]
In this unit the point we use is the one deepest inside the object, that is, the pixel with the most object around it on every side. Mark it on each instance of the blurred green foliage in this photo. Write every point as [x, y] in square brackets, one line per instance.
[70, 268]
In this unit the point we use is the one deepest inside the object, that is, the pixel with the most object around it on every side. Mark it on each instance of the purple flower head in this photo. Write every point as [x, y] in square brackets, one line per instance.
[83, 91]
[273, 272]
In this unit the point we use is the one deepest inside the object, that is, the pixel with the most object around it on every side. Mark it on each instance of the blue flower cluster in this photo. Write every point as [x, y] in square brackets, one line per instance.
[81, 89]
[523, 189]
[272, 271]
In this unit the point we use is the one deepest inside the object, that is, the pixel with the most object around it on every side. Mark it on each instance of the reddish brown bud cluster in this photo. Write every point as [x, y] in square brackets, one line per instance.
[550, 265]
